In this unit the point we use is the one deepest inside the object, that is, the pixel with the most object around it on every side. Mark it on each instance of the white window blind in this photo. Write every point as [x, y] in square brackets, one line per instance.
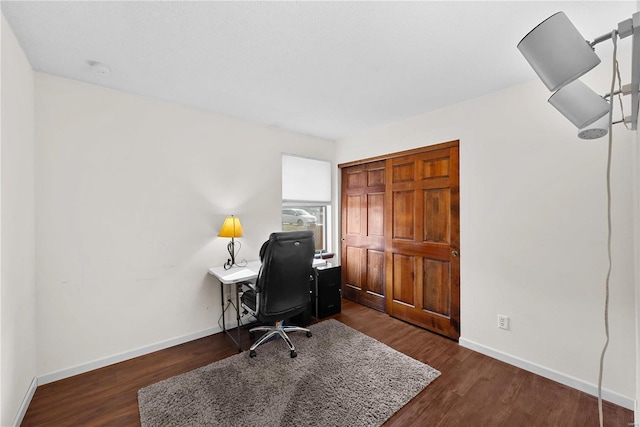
[305, 180]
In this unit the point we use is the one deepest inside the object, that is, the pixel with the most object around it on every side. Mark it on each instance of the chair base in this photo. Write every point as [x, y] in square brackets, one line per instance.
[278, 329]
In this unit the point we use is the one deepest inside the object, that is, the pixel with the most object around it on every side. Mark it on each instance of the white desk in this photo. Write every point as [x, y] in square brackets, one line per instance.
[235, 276]
[250, 271]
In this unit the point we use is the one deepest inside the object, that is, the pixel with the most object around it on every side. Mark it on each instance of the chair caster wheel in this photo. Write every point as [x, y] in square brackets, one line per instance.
[309, 334]
[252, 353]
[293, 354]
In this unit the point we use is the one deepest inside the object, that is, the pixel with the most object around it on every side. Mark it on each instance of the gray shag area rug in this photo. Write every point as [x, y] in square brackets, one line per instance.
[341, 377]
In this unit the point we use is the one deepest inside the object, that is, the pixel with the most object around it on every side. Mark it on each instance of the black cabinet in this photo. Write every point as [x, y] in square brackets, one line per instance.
[326, 294]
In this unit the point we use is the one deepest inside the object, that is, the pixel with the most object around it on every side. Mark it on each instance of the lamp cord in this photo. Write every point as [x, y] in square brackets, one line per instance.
[620, 95]
[224, 310]
[606, 301]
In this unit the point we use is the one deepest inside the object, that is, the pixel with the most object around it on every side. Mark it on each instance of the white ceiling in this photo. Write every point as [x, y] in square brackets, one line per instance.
[329, 69]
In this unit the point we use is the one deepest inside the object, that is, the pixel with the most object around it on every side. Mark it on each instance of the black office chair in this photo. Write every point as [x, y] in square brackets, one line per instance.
[282, 289]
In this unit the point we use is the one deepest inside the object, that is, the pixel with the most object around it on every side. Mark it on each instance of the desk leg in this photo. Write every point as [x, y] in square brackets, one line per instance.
[236, 341]
[224, 327]
[238, 287]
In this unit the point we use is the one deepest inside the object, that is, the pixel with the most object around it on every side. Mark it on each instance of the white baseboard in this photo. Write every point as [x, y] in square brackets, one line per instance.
[26, 402]
[592, 389]
[117, 358]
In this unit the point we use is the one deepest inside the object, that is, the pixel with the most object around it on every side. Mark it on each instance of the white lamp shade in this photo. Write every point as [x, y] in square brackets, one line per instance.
[596, 130]
[557, 52]
[578, 103]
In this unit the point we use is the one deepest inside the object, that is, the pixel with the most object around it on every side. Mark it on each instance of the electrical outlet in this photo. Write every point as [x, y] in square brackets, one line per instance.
[503, 322]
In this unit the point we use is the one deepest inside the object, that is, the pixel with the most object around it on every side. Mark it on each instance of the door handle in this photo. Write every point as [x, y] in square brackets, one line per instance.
[454, 253]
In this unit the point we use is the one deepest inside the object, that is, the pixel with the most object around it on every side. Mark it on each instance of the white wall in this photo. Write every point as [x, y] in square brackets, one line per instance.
[130, 194]
[17, 256]
[533, 232]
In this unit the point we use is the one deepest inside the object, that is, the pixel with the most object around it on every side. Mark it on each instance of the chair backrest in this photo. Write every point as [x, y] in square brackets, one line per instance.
[286, 274]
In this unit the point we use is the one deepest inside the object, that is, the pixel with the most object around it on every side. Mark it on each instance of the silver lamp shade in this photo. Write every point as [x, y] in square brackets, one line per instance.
[578, 103]
[557, 52]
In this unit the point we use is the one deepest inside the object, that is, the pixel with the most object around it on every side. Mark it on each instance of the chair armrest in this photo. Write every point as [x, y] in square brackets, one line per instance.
[250, 285]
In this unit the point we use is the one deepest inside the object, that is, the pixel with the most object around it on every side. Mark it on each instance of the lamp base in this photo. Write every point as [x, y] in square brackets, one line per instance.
[231, 248]
[230, 263]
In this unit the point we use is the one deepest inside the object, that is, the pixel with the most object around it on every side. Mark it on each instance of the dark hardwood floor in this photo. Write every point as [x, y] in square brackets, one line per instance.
[473, 390]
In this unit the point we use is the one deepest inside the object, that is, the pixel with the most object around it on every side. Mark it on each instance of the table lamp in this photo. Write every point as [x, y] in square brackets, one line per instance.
[231, 228]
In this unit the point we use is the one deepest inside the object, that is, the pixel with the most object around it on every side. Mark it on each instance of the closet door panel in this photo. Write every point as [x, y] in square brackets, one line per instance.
[422, 239]
[363, 205]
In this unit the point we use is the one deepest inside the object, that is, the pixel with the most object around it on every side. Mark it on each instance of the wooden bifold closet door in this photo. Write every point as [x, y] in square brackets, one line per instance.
[363, 203]
[401, 238]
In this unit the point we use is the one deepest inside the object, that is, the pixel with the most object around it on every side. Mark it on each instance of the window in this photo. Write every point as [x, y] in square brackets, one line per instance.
[306, 197]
